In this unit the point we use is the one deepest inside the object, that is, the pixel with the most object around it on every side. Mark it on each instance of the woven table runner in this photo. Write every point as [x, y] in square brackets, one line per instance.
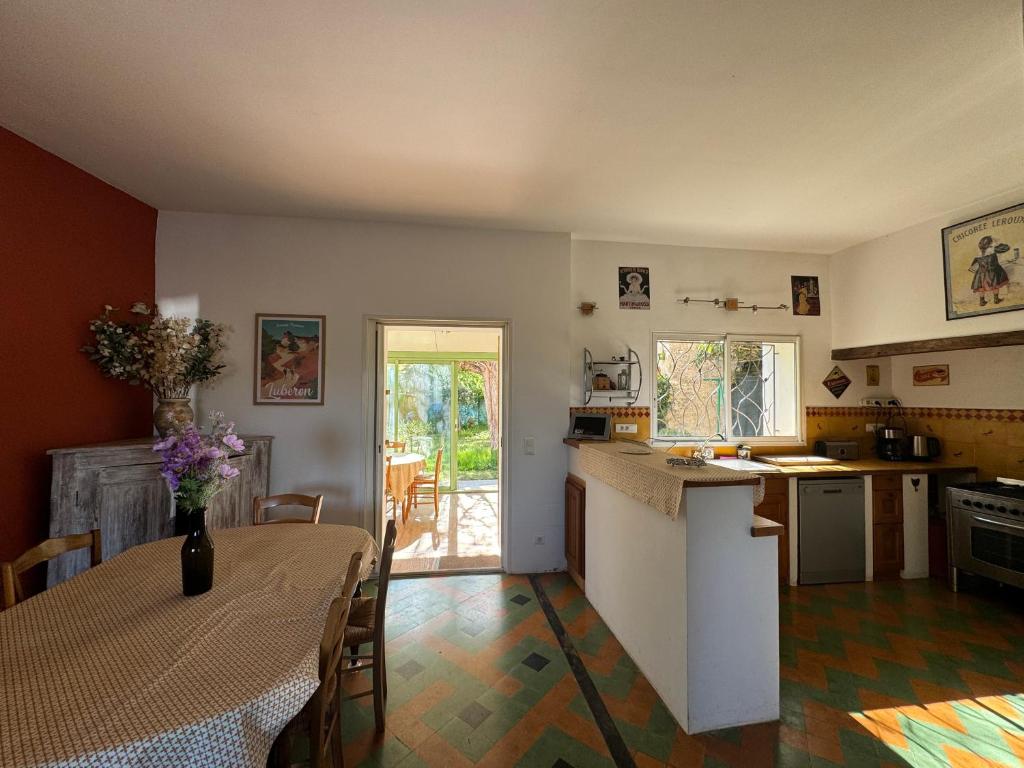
[649, 479]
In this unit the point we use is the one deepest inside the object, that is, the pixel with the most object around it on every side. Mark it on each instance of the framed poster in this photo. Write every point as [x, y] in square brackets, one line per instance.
[982, 266]
[289, 360]
[931, 375]
[806, 294]
[634, 288]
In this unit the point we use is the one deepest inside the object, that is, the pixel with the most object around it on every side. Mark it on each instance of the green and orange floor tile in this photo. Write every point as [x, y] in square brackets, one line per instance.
[880, 674]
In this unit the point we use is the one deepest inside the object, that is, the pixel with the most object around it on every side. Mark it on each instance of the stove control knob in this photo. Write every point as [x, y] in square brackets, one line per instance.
[1015, 512]
[1001, 508]
[990, 507]
[979, 504]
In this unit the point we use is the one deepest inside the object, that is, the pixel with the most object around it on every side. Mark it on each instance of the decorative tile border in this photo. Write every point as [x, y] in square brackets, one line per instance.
[623, 412]
[979, 414]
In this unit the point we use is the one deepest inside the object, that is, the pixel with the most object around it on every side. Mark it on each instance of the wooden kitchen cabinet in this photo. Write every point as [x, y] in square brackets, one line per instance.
[888, 549]
[575, 528]
[887, 528]
[775, 507]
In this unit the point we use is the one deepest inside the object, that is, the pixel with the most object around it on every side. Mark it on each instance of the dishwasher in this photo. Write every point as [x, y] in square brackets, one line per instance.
[831, 523]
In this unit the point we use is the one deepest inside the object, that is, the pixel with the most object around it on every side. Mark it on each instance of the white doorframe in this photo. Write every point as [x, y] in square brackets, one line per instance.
[373, 394]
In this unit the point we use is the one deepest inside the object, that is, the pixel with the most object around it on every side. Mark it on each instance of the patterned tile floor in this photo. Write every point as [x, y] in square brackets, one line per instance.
[884, 674]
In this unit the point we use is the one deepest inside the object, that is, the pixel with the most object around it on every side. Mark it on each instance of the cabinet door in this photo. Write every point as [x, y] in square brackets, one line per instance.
[232, 506]
[887, 506]
[888, 550]
[575, 531]
[775, 507]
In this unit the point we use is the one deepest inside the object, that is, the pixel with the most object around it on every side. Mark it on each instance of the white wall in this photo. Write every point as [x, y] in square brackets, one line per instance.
[759, 277]
[978, 378]
[892, 289]
[231, 267]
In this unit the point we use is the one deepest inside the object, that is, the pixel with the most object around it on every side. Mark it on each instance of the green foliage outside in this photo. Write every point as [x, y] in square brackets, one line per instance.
[476, 459]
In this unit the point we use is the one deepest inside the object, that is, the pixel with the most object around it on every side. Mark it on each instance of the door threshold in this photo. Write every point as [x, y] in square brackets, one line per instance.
[460, 572]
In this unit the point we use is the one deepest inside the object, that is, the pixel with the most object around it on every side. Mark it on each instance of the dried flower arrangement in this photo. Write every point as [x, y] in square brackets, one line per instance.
[166, 354]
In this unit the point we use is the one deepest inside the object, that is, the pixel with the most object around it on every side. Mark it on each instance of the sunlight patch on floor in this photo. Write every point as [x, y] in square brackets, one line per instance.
[469, 538]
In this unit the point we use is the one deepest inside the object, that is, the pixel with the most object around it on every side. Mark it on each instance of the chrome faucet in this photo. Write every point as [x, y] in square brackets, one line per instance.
[705, 452]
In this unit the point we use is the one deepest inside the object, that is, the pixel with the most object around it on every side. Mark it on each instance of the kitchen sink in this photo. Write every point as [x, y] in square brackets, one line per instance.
[743, 465]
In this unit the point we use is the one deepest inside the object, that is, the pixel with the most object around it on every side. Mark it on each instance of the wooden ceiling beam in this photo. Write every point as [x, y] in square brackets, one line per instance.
[978, 341]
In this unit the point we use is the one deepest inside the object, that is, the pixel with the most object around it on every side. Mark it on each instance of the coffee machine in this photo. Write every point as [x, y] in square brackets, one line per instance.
[892, 444]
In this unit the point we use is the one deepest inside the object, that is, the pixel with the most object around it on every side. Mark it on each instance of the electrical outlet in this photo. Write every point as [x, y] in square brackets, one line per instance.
[629, 428]
[539, 541]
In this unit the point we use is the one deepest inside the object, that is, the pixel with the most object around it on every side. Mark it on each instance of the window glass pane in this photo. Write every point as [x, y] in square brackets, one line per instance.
[763, 394]
[690, 396]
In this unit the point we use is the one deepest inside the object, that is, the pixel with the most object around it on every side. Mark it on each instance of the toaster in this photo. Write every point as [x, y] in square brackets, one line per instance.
[837, 449]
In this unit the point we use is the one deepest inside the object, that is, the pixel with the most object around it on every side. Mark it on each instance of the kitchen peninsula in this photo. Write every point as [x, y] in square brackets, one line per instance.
[685, 578]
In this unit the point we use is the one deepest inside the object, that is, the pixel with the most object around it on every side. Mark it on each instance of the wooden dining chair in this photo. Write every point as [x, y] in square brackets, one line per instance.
[428, 484]
[395, 445]
[389, 494]
[366, 625]
[320, 718]
[10, 572]
[261, 505]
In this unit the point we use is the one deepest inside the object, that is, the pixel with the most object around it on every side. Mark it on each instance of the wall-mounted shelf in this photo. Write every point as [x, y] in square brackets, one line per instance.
[978, 341]
[630, 364]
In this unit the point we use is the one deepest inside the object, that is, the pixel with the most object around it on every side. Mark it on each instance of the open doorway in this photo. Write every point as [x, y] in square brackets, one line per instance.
[440, 420]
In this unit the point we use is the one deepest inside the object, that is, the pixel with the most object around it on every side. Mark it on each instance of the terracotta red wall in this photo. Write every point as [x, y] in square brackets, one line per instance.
[69, 243]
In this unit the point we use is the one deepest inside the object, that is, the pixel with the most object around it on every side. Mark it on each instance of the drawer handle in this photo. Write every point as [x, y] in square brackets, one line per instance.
[832, 490]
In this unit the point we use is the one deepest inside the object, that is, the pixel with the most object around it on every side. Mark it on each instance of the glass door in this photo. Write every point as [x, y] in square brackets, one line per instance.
[452, 405]
[420, 412]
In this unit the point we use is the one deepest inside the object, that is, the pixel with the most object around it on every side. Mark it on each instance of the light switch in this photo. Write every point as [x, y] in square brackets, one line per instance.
[529, 448]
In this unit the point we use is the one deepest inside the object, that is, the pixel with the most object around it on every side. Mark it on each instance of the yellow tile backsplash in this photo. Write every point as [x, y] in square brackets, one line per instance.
[990, 438]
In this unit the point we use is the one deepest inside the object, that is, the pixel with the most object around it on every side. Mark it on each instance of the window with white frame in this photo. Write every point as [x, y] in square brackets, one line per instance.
[745, 387]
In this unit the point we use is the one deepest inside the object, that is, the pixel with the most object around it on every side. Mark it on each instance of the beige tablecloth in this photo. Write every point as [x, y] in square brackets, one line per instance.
[116, 668]
[649, 479]
[404, 467]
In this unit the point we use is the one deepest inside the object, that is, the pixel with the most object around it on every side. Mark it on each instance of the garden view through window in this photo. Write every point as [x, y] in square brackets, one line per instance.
[745, 388]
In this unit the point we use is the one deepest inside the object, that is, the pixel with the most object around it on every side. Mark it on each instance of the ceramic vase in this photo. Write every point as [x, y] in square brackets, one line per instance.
[172, 414]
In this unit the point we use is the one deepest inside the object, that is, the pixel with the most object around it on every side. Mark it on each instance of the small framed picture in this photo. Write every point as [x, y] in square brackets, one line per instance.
[874, 375]
[289, 360]
[931, 375]
[634, 288]
[806, 295]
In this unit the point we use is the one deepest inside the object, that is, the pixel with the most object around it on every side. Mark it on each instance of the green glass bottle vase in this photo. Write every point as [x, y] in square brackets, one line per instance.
[196, 554]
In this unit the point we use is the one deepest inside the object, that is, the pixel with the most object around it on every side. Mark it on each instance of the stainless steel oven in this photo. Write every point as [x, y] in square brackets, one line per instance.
[986, 525]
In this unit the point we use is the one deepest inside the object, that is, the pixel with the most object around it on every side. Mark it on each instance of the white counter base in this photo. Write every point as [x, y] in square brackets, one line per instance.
[693, 601]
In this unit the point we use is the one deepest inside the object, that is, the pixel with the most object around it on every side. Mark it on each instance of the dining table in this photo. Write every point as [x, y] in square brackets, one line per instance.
[404, 468]
[115, 667]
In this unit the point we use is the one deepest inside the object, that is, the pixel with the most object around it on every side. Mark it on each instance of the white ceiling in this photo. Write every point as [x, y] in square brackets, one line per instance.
[803, 125]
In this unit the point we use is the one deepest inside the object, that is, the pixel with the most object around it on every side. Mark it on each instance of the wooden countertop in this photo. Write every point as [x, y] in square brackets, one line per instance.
[869, 467]
[845, 468]
[764, 527]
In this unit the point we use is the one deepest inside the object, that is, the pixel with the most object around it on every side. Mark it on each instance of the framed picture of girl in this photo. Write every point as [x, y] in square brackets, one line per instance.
[289, 360]
[983, 269]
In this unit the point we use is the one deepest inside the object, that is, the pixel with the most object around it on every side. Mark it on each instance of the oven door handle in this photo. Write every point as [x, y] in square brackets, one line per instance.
[990, 521]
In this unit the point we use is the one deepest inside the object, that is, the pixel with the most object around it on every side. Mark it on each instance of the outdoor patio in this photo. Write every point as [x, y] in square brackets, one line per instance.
[467, 539]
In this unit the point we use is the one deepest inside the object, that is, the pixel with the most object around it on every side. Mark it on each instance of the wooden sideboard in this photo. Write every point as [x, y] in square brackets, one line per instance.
[117, 487]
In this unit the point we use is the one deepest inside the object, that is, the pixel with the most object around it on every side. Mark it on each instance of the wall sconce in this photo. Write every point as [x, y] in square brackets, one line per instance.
[586, 307]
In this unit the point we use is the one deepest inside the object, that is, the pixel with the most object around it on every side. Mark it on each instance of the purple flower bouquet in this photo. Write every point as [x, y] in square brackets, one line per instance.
[196, 465]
